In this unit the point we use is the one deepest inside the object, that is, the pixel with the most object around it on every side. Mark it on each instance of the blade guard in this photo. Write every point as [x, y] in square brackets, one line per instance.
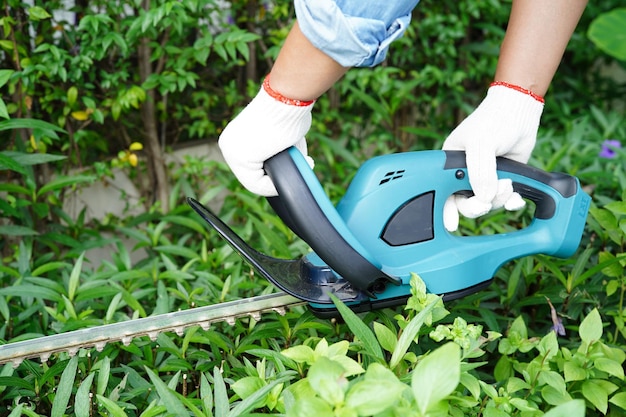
[390, 221]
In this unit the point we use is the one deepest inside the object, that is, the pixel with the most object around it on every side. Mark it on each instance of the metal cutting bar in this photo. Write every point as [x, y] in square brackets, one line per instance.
[126, 331]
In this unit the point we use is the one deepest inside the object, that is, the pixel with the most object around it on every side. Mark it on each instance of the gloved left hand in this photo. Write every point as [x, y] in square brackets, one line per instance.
[504, 124]
[269, 124]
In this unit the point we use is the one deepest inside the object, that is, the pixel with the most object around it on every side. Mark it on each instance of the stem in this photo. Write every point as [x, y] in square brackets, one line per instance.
[156, 160]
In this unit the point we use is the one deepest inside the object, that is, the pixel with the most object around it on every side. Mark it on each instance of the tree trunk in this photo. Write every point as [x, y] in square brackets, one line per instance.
[156, 160]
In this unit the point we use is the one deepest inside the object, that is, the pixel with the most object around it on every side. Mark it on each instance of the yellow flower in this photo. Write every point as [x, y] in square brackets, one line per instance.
[81, 115]
[132, 159]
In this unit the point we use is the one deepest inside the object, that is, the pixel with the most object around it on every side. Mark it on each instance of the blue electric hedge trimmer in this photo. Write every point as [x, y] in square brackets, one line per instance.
[388, 225]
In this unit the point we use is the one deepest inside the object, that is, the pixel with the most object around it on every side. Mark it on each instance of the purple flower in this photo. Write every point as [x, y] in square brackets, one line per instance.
[558, 327]
[609, 148]
[557, 323]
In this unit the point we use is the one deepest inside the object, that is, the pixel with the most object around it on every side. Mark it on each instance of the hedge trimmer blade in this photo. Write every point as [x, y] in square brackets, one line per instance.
[297, 277]
[98, 337]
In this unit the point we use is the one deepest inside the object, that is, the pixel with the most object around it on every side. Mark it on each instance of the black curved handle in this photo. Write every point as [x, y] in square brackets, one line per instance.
[298, 208]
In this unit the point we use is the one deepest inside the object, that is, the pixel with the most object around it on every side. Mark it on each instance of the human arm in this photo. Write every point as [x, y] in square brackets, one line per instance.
[329, 37]
[299, 60]
[280, 115]
[535, 40]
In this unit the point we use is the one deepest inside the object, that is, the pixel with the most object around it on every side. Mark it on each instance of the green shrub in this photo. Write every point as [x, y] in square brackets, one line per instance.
[513, 358]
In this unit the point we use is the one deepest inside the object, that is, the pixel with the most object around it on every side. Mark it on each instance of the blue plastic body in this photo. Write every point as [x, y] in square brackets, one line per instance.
[446, 262]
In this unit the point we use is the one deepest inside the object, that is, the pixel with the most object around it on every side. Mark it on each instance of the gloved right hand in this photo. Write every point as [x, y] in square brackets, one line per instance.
[268, 125]
[504, 124]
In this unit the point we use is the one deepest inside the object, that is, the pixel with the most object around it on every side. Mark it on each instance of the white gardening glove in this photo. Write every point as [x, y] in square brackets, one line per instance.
[504, 124]
[267, 126]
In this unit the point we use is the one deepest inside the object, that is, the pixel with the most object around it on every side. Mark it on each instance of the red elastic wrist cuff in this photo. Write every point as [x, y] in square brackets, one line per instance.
[520, 89]
[277, 96]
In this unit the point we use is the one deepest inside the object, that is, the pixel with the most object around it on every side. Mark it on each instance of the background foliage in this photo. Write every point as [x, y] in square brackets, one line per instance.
[117, 84]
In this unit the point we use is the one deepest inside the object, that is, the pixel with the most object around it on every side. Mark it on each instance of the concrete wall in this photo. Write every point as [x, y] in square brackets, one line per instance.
[120, 197]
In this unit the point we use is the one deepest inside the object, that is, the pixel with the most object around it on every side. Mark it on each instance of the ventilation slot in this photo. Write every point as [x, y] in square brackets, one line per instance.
[391, 175]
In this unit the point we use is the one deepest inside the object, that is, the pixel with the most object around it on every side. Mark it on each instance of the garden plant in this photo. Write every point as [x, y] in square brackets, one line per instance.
[92, 88]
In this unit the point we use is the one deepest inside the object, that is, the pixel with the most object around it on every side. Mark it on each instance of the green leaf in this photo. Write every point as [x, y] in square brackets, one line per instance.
[64, 389]
[573, 408]
[72, 95]
[103, 375]
[387, 339]
[82, 400]
[14, 230]
[111, 406]
[606, 219]
[206, 395]
[133, 303]
[554, 396]
[4, 111]
[596, 395]
[168, 398]
[28, 159]
[47, 267]
[572, 371]
[617, 207]
[300, 354]
[494, 412]
[17, 411]
[590, 329]
[548, 346]
[130, 275]
[311, 407]
[350, 366]
[15, 189]
[436, 376]
[360, 329]
[187, 222]
[6, 162]
[613, 269]
[380, 107]
[31, 124]
[10, 271]
[609, 366]
[410, 333]
[75, 277]
[4, 312]
[219, 394]
[619, 400]
[177, 250]
[29, 290]
[63, 182]
[470, 382]
[327, 379]
[6, 45]
[276, 242]
[554, 379]
[519, 327]
[607, 32]
[13, 381]
[246, 386]
[379, 390]
[245, 406]
[523, 405]
[69, 307]
[38, 13]
[5, 75]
